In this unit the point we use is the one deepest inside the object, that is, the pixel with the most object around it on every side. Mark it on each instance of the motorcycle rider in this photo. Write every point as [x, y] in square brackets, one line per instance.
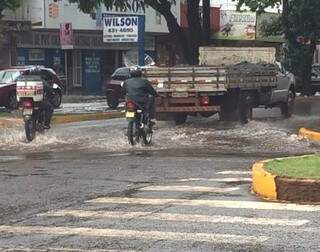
[140, 91]
[46, 105]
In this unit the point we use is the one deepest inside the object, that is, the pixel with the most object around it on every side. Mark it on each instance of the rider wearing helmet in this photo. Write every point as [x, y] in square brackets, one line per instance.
[139, 90]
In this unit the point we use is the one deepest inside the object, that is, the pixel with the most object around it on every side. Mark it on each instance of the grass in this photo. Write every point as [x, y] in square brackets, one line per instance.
[307, 167]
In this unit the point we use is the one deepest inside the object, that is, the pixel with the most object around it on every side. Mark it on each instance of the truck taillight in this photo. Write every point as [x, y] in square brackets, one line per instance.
[130, 106]
[28, 104]
[205, 100]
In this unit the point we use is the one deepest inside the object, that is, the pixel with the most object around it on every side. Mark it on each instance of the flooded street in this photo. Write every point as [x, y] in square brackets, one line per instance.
[81, 187]
[267, 134]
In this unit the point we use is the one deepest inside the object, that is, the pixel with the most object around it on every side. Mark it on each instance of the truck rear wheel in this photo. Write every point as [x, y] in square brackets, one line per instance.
[287, 107]
[180, 119]
[245, 108]
[229, 107]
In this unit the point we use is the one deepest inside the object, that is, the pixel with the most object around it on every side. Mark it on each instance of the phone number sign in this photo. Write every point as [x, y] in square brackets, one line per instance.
[120, 29]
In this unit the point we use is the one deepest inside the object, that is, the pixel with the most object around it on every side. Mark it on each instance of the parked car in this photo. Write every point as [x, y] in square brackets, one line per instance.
[114, 91]
[9, 76]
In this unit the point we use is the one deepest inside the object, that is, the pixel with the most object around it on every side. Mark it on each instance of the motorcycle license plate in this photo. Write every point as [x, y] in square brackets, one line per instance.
[27, 112]
[130, 114]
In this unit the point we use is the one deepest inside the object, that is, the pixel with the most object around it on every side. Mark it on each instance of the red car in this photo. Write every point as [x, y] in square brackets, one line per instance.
[114, 91]
[8, 78]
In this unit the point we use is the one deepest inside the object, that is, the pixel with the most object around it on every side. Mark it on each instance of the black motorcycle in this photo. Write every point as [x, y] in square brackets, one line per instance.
[139, 124]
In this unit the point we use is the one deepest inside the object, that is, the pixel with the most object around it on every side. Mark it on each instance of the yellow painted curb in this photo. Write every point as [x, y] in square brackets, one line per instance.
[61, 119]
[309, 134]
[86, 117]
[263, 182]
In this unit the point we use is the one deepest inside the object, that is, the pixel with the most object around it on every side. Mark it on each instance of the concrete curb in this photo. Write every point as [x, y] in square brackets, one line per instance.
[61, 119]
[276, 188]
[309, 134]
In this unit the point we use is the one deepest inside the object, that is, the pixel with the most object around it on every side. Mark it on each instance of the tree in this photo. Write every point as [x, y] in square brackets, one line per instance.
[189, 40]
[8, 4]
[300, 23]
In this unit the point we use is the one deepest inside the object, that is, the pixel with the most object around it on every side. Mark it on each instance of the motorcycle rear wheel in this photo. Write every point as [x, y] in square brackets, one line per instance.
[133, 133]
[30, 128]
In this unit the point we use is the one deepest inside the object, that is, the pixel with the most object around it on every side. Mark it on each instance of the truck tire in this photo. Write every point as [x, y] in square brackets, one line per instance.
[180, 119]
[245, 107]
[229, 107]
[287, 107]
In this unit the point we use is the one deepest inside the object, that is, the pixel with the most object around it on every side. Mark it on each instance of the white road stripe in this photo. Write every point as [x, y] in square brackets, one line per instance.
[209, 203]
[127, 234]
[189, 189]
[234, 173]
[176, 217]
[217, 179]
[52, 249]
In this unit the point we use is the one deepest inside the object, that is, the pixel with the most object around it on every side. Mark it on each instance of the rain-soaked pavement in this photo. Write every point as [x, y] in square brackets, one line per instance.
[81, 187]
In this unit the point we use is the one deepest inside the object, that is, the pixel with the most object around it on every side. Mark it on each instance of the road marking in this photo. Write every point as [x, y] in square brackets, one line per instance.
[52, 249]
[217, 179]
[234, 173]
[209, 203]
[189, 188]
[127, 234]
[176, 217]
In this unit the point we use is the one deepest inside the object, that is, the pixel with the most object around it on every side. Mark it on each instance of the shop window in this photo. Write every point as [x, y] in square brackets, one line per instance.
[36, 55]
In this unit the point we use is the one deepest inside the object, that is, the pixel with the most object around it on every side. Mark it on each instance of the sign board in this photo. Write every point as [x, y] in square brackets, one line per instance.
[66, 36]
[263, 21]
[236, 26]
[120, 29]
[132, 7]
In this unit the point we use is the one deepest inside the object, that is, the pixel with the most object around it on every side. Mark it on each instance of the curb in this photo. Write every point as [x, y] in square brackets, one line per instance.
[309, 134]
[276, 188]
[61, 119]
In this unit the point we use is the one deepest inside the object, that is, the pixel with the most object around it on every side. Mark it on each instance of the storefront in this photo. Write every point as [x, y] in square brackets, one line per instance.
[86, 66]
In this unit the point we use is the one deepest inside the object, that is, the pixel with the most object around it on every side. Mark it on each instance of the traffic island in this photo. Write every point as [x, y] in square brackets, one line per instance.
[309, 134]
[295, 179]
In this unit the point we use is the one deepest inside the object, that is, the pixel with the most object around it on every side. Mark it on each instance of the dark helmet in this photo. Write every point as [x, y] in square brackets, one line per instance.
[135, 72]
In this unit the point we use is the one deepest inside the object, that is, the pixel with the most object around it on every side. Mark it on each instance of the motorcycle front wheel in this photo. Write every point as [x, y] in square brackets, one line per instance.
[133, 133]
[30, 128]
[147, 135]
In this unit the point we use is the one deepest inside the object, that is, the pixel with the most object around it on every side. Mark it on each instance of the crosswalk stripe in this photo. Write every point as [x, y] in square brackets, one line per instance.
[123, 233]
[217, 179]
[234, 173]
[209, 203]
[176, 217]
[189, 189]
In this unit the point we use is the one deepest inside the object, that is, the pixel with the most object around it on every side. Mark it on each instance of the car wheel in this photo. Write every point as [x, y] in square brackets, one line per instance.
[287, 107]
[12, 102]
[112, 101]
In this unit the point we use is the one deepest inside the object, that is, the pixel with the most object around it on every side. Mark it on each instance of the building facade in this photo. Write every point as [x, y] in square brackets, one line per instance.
[90, 61]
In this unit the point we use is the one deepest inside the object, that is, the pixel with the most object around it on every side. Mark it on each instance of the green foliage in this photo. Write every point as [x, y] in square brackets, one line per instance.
[8, 4]
[300, 23]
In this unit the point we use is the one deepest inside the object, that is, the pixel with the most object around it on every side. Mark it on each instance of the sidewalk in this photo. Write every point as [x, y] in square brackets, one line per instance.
[82, 98]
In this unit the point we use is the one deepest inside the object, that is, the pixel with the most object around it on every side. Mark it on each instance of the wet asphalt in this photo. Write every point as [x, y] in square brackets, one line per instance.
[81, 187]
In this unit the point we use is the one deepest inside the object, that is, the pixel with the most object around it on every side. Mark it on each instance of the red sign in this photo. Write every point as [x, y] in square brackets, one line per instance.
[66, 36]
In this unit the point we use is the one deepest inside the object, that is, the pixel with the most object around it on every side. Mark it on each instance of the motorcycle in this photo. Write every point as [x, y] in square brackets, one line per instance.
[30, 96]
[139, 124]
